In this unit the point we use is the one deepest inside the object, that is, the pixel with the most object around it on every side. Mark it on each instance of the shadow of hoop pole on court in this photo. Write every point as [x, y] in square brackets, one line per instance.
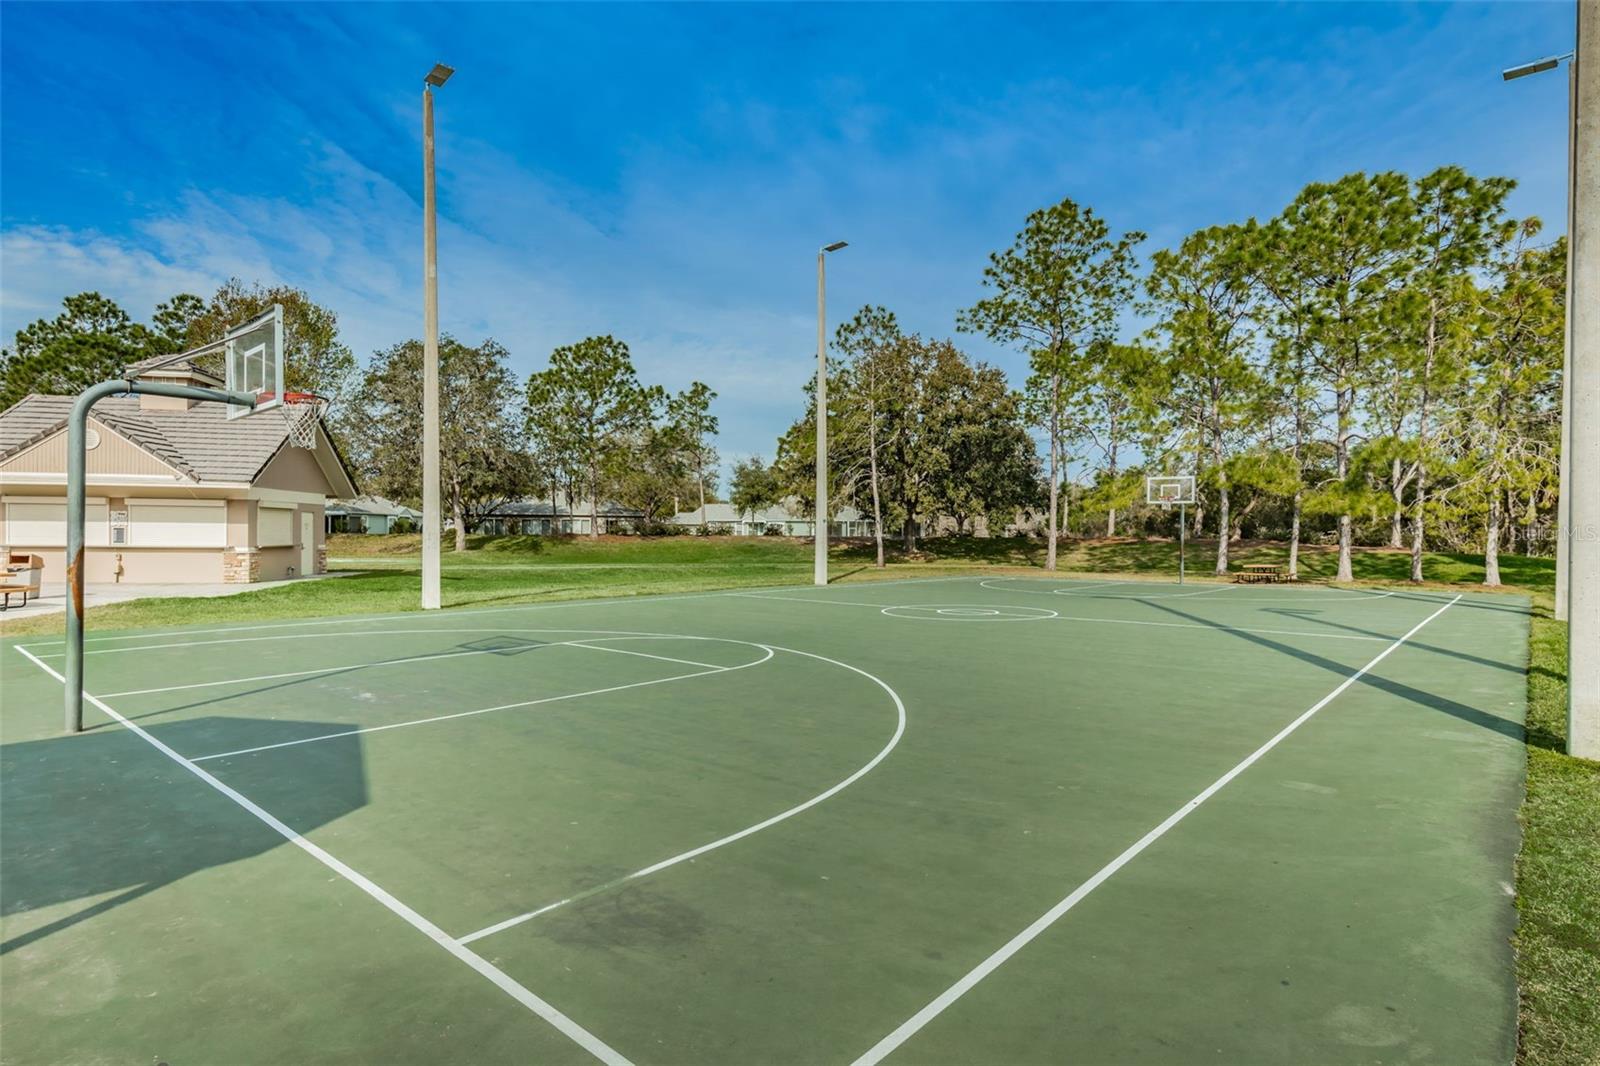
[106, 813]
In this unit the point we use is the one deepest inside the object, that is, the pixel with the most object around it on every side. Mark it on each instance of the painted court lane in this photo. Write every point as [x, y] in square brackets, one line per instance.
[1339, 896]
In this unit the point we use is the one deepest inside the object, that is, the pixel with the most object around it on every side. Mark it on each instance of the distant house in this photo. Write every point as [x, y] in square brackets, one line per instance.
[556, 516]
[783, 520]
[370, 514]
[177, 492]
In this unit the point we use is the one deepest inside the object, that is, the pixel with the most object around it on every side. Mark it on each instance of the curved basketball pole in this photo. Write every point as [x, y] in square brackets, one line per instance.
[77, 491]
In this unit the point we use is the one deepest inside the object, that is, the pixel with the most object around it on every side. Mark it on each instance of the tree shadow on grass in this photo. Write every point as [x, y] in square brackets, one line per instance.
[106, 812]
[1466, 713]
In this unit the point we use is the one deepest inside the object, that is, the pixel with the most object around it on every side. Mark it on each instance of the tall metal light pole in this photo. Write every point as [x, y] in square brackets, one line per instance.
[431, 519]
[819, 574]
[1583, 560]
[1564, 462]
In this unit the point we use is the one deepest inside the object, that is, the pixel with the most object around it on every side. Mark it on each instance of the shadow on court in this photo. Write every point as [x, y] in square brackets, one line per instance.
[108, 813]
[1455, 709]
[496, 645]
[1315, 617]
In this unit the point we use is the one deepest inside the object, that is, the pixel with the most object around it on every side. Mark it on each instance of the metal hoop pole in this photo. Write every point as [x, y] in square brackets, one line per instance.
[77, 493]
[1182, 522]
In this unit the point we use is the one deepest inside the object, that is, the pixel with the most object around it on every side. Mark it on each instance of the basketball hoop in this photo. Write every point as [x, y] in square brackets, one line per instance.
[302, 413]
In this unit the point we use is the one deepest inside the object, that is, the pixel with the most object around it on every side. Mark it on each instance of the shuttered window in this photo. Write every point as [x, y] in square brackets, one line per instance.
[189, 524]
[275, 527]
[41, 524]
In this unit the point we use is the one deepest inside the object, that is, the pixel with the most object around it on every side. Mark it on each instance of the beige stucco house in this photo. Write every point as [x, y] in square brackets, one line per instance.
[177, 491]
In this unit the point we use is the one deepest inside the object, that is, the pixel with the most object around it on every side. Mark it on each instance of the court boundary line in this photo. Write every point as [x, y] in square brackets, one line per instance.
[751, 830]
[457, 612]
[1220, 627]
[499, 978]
[1358, 596]
[994, 961]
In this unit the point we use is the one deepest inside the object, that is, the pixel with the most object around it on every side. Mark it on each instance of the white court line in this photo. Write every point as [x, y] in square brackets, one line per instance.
[1072, 590]
[899, 731]
[461, 612]
[316, 670]
[1085, 618]
[1218, 627]
[577, 1033]
[481, 710]
[403, 661]
[1182, 595]
[942, 1001]
[1272, 598]
[644, 654]
[805, 599]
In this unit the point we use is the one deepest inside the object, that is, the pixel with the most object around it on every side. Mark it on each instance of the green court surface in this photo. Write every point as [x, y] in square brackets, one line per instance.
[963, 820]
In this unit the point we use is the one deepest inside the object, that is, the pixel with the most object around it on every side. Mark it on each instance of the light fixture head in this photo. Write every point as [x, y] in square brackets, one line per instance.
[835, 246]
[439, 74]
[1538, 66]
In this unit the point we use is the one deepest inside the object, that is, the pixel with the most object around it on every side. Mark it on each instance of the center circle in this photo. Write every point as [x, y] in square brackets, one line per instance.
[967, 612]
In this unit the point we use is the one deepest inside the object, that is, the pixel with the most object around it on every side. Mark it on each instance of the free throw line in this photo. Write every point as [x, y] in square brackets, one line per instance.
[571, 1029]
[945, 999]
[481, 710]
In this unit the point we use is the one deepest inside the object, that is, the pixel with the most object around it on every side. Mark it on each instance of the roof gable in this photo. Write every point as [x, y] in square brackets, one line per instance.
[201, 441]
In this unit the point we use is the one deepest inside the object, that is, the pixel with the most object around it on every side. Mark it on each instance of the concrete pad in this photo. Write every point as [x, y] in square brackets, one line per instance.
[98, 594]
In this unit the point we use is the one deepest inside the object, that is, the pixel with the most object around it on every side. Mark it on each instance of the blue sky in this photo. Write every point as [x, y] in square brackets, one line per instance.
[665, 173]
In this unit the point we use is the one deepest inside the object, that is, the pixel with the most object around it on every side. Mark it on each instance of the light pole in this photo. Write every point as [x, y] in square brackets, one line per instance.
[1578, 572]
[819, 575]
[1583, 307]
[1564, 462]
[430, 350]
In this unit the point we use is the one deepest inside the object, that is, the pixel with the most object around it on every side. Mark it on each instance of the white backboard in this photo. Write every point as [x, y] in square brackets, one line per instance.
[1169, 491]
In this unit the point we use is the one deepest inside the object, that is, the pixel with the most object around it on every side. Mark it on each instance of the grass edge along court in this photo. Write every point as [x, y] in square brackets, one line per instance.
[1100, 609]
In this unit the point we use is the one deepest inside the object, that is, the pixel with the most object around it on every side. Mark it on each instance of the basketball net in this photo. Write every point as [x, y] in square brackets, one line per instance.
[302, 413]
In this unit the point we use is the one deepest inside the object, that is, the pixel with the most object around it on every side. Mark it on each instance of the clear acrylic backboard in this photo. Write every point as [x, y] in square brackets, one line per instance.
[254, 357]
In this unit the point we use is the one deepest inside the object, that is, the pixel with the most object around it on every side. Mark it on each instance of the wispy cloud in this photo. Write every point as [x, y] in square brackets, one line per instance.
[667, 173]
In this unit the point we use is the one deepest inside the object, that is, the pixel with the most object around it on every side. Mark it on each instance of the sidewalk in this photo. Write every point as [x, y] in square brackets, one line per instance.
[54, 598]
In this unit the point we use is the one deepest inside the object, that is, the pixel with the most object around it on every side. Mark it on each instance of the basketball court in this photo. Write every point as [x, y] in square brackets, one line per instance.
[1023, 820]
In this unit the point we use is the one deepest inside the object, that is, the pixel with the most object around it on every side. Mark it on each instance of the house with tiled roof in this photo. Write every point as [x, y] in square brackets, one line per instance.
[177, 491]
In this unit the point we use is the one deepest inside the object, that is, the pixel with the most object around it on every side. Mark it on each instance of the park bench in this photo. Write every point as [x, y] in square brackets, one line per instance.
[1259, 573]
[21, 576]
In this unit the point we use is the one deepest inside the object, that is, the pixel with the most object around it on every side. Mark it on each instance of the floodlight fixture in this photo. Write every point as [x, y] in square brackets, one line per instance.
[835, 246]
[1538, 66]
[439, 75]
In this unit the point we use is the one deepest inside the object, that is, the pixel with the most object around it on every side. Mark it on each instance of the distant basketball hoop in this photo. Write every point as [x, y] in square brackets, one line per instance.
[1167, 492]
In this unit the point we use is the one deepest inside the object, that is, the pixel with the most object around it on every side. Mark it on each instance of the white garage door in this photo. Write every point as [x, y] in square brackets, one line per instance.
[189, 524]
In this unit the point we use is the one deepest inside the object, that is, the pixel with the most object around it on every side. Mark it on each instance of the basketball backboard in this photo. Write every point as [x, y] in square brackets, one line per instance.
[253, 357]
[1169, 491]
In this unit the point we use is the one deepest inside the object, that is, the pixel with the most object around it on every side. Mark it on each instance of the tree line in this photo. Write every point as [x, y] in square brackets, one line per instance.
[584, 428]
[1379, 363]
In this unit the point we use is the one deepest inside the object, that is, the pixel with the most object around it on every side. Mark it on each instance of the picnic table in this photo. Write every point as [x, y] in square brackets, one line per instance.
[1257, 573]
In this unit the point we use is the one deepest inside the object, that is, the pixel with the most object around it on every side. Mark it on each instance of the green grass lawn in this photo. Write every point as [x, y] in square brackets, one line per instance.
[1558, 872]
